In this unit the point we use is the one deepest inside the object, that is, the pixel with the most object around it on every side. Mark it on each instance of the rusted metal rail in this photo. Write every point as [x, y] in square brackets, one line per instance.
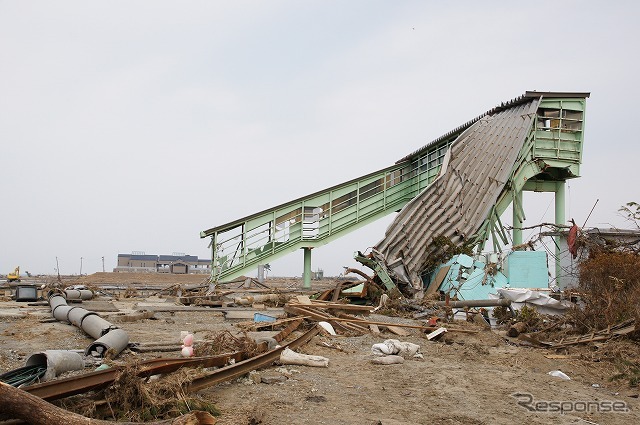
[73, 385]
[60, 388]
[246, 366]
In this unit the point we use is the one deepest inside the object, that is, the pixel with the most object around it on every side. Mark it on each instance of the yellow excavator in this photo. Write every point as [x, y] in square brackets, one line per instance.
[15, 276]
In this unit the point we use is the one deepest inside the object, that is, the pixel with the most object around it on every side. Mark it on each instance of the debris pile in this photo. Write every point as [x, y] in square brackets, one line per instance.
[600, 327]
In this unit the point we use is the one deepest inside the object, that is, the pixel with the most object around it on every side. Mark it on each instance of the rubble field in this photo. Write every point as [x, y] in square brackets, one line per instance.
[480, 376]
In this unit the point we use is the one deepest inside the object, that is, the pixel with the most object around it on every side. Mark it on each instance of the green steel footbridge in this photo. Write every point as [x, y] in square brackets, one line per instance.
[544, 130]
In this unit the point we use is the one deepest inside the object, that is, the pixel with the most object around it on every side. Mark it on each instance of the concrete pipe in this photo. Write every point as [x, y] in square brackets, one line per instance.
[61, 313]
[56, 300]
[96, 326]
[116, 340]
[56, 361]
[78, 294]
[77, 315]
[108, 335]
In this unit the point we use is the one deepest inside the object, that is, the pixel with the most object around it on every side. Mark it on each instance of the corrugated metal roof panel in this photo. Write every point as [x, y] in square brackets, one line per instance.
[475, 172]
[526, 97]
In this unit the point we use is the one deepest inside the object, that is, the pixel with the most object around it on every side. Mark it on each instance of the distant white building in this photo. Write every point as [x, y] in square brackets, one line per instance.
[174, 264]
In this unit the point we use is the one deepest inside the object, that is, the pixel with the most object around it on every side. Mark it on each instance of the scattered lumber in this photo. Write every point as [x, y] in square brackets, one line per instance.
[321, 316]
[347, 323]
[398, 330]
[329, 305]
[262, 325]
[622, 328]
[399, 325]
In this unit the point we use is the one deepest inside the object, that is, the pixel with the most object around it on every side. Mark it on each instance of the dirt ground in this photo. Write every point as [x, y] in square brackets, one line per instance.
[462, 378]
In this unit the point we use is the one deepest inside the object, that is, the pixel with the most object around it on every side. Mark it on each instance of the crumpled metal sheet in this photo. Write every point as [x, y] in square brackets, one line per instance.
[474, 173]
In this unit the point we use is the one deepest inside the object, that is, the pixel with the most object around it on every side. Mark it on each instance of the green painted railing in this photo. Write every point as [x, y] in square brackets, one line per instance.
[321, 217]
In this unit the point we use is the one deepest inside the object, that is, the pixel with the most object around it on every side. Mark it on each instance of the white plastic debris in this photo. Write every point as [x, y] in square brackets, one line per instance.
[388, 360]
[327, 327]
[559, 374]
[393, 346]
[291, 357]
[382, 349]
[436, 334]
[383, 302]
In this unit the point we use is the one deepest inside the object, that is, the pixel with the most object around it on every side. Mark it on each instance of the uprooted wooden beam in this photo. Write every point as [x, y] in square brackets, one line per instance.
[19, 404]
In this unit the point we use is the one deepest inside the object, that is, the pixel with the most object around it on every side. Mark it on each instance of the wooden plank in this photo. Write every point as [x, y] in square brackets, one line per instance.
[336, 292]
[324, 295]
[398, 330]
[337, 306]
[303, 299]
[437, 281]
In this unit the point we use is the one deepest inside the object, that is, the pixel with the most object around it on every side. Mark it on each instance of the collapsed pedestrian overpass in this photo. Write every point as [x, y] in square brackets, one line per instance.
[459, 185]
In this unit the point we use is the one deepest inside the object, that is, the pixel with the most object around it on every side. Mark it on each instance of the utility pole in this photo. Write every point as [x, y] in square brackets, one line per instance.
[58, 269]
[80, 266]
[103, 264]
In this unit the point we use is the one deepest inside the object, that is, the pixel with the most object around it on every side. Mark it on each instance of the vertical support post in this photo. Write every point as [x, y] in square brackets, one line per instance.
[212, 276]
[560, 221]
[261, 273]
[307, 268]
[516, 205]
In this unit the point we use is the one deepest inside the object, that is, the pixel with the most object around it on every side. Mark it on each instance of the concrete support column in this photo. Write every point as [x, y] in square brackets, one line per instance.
[560, 221]
[307, 268]
[261, 273]
[517, 204]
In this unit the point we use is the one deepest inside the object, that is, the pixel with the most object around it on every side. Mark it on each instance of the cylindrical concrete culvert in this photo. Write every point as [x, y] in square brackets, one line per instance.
[108, 336]
[116, 340]
[56, 361]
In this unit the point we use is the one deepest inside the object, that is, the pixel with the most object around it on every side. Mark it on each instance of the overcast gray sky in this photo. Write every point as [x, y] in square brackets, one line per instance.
[134, 125]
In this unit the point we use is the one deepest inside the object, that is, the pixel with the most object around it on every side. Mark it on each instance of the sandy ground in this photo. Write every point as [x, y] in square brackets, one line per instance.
[463, 378]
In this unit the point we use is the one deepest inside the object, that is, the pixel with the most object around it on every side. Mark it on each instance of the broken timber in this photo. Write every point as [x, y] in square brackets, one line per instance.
[319, 316]
[348, 323]
[623, 328]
